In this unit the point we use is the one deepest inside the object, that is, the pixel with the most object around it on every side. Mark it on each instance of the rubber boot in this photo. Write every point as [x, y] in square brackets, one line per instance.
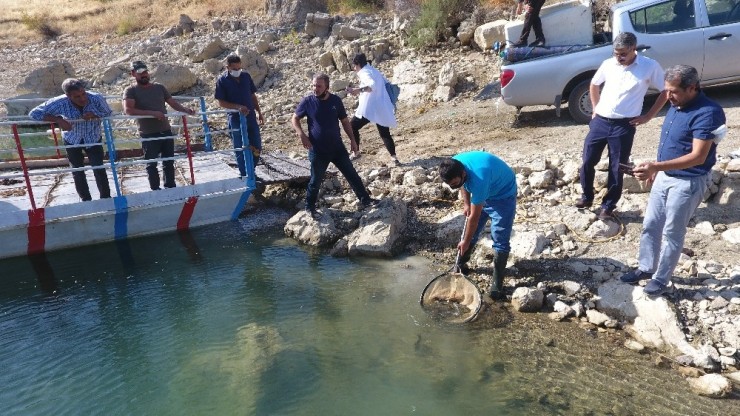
[499, 271]
[463, 262]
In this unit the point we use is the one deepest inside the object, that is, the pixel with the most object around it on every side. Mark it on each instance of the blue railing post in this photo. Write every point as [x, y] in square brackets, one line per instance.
[248, 157]
[206, 129]
[111, 153]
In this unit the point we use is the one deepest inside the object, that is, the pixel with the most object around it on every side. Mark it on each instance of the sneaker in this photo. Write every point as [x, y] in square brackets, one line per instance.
[538, 42]
[518, 44]
[635, 276]
[369, 202]
[354, 155]
[655, 288]
[395, 161]
[583, 203]
[312, 212]
[606, 214]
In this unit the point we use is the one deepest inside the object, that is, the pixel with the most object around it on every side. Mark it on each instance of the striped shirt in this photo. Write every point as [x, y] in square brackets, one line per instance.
[82, 131]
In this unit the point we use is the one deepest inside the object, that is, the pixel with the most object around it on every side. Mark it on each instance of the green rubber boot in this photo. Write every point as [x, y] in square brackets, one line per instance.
[499, 271]
[464, 259]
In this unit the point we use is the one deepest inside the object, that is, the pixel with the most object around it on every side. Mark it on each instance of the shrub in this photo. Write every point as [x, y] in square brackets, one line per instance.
[354, 6]
[433, 19]
[41, 24]
[127, 24]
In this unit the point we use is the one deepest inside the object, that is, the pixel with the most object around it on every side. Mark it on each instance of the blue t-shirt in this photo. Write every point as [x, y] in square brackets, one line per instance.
[237, 92]
[323, 121]
[488, 177]
[696, 120]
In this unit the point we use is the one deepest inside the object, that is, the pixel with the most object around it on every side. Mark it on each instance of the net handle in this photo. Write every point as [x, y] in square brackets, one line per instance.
[456, 267]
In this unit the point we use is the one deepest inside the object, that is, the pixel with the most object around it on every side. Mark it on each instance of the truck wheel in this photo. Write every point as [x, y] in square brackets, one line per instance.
[579, 103]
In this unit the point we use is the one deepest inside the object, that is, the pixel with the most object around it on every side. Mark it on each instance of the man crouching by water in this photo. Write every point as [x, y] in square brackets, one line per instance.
[78, 114]
[324, 112]
[487, 184]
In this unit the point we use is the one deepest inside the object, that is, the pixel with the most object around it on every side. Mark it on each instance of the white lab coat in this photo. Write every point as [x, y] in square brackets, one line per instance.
[375, 105]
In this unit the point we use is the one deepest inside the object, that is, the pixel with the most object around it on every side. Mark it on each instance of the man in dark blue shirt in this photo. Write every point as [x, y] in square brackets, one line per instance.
[686, 153]
[235, 90]
[324, 111]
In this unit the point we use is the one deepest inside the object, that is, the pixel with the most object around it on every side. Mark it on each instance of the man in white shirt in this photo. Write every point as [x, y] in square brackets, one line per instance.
[375, 105]
[617, 108]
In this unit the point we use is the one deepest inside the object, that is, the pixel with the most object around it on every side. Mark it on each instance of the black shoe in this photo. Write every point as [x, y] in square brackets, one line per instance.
[635, 276]
[606, 214]
[583, 203]
[312, 212]
[369, 202]
[519, 44]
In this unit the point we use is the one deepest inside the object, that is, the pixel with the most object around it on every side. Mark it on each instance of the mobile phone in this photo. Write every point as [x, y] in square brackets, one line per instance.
[627, 168]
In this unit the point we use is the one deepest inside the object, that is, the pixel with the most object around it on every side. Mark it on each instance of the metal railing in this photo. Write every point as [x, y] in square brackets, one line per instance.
[112, 141]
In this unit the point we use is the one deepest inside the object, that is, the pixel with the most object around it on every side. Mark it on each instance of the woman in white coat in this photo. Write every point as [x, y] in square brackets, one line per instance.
[375, 105]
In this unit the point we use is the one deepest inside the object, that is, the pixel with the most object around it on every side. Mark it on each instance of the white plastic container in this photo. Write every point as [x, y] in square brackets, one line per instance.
[566, 23]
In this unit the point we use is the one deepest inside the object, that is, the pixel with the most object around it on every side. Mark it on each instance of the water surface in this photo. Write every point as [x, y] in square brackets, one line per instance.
[228, 321]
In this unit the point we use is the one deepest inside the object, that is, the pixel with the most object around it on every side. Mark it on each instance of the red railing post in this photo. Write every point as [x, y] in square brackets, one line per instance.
[56, 141]
[189, 150]
[23, 165]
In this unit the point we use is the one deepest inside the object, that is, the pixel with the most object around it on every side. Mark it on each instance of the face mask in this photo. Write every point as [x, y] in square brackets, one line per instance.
[235, 72]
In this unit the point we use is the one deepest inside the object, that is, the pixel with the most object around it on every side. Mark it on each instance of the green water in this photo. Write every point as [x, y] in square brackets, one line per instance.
[226, 321]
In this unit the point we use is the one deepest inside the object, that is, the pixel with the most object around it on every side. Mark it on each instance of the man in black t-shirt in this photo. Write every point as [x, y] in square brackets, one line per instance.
[324, 141]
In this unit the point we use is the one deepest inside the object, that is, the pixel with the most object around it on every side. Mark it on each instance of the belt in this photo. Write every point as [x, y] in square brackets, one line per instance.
[615, 120]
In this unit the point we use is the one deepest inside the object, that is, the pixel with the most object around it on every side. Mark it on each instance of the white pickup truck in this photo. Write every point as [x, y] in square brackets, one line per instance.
[702, 33]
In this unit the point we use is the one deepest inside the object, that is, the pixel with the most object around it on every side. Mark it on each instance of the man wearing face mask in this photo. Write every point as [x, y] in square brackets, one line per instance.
[626, 78]
[324, 112]
[147, 98]
[235, 90]
[487, 185]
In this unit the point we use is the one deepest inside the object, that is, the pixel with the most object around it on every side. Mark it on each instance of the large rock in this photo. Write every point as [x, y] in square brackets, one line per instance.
[341, 31]
[711, 385]
[326, 60]
[340, 60]
[254, 64]
[527, 299]
[525, 244]
[603, 229]
[447, 75]
[449, 228]
[111, 75]
[654, 322]
[413, 78]
[732, 236]
[305, 229]
[293, 11]
[47, 80]
[176, 78]
[207, 51]
[465, 32]
[22, 108]
[318, 24]
[729, 191]
[380, 231]
[489, 33]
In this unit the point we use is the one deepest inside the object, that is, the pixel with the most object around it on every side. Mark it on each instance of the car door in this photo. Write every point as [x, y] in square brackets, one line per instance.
[668, 32]
[722, 41]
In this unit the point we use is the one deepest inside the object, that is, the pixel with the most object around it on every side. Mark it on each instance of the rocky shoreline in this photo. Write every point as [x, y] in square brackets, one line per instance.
[564, 260]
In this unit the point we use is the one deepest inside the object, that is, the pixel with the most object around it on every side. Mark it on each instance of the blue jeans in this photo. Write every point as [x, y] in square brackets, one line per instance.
[254, 138]
[671, 204]
[501, 212]
[618, 136]
[319, 164]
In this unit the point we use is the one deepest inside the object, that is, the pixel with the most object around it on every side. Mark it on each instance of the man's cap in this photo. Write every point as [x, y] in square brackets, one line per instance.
[139, 66]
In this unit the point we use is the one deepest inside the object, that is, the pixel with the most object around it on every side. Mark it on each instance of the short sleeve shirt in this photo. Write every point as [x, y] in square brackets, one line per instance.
[152, 98]
[323, 121]
[236, 92]
[625, 86]
[488, 177]
[696, 120]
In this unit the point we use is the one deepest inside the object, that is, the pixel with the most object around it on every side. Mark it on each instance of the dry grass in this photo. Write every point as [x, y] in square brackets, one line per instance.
[26, 20]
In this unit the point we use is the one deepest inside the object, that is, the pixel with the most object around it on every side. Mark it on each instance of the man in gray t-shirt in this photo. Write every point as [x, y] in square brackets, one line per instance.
[148, 99]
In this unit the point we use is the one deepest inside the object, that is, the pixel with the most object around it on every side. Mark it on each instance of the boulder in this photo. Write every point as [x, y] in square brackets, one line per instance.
[465, 32]
[732, 236]
[346, 32]
[305, 229]
[176, 78]
[443, 93]
[711, 385]
[318, 24]
[254, 64]
[489, 33]
[527, 244]
[526, 299]
[340, 60]
[447, 75]
[262, 46]
[326, 60]
[111, 75]
[412, 77]
[603, 229]
[206, 51]
[449, 228]
[293, 11]
[380, 231]
[46, 81]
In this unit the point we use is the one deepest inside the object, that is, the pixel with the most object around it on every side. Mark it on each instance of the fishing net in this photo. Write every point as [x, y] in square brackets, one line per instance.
[451, 297]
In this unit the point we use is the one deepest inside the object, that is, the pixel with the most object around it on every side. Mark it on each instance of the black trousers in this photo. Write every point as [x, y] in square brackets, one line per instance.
[532, 20]
[385, 133]
[154, 149]
[77, 160]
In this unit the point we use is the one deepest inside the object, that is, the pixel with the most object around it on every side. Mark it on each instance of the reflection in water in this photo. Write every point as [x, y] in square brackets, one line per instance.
[44, 273]
[191, 247]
